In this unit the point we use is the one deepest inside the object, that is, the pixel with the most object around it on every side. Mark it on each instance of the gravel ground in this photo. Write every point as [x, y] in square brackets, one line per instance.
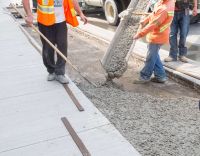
[158, 120]
[154, 126]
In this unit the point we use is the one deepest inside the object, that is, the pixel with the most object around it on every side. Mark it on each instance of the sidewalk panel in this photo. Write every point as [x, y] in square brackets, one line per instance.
[31, 108]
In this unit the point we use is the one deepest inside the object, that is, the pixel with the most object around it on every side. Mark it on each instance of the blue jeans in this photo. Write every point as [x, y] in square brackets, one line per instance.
[153, 64]
[181, 22]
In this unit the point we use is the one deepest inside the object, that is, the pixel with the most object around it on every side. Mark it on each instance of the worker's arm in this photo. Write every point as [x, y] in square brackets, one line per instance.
[29, 18]
[158, 19]
[194, 13]
[145, 21]
[80, 13]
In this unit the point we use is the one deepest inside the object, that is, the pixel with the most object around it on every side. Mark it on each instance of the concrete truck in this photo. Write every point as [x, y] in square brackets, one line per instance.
[111, 8]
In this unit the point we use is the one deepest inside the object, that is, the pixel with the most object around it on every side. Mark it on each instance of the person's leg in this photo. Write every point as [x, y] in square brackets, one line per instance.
[159, 71]
[152, 57]
[61, 42]
[173, 37]
[47, 50]
[184, 29]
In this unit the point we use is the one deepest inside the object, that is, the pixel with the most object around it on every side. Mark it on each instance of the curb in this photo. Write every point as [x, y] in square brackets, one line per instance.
[89, 35]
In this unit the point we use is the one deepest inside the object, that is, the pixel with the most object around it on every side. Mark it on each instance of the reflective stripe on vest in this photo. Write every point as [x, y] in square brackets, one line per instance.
[163, 28]
[46, 13]
[73, 12]
[170, 13]
[46, 9]
[70, 13]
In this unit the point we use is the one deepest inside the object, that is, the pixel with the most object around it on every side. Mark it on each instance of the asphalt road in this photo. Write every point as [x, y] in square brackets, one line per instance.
[193, 44]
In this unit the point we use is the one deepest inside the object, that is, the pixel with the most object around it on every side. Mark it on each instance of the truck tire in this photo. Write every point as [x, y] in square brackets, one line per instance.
[111, 10]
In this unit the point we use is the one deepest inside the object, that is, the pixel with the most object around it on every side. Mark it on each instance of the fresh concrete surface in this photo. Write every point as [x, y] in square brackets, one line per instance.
[31, 107]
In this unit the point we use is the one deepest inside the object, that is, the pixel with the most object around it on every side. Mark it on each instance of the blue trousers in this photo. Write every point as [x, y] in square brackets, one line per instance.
[179, 24]
[153, 64]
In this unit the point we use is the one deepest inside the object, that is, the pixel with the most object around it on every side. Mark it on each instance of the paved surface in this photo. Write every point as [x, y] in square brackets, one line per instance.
[31, 107]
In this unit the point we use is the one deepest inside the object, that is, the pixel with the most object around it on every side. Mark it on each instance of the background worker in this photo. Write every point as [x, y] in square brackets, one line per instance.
[156, 25]
[51, 16]
[181, 22]
[34, 9]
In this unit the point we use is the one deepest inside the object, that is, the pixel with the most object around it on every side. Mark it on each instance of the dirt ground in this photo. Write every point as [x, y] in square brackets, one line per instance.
[157, 119]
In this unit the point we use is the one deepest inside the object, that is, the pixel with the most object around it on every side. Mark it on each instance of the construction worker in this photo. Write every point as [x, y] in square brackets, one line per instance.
[180, 23]
[52, 16]
[156, 25]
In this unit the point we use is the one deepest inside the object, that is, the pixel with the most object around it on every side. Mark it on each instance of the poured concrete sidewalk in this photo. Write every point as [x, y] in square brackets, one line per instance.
[31, 108]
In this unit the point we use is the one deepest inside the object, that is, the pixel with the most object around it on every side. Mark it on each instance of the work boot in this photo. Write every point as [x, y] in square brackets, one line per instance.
[51, 77]
[140, 81]
[157, 80]
[169, 59]
[183, 59]
[62, 79]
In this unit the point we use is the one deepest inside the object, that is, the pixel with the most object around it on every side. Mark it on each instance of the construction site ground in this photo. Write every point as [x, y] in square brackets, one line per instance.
[157, 119]
[31, 108]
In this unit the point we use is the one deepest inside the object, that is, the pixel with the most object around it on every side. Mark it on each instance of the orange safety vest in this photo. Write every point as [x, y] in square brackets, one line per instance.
[158, 23]
[46, 14]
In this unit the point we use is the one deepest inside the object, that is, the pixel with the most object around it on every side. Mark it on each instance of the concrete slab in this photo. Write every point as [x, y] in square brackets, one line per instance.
[55, 147]
[31, 108]
[18, 56]
[109, 142]
[110, 145]
[22, 82]
[102, 33]
[7, 23]
[36, 117]
[194, 37]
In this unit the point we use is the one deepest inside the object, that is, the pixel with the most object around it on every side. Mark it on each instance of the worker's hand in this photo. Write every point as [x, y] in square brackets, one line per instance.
[141, 25]
[137, 36]
[83, 18]
[194, 12]
[29, 20]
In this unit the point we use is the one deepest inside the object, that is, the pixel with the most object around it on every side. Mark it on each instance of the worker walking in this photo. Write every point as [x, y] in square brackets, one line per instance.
[52, 16]
[156, 25]
[180, 23]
